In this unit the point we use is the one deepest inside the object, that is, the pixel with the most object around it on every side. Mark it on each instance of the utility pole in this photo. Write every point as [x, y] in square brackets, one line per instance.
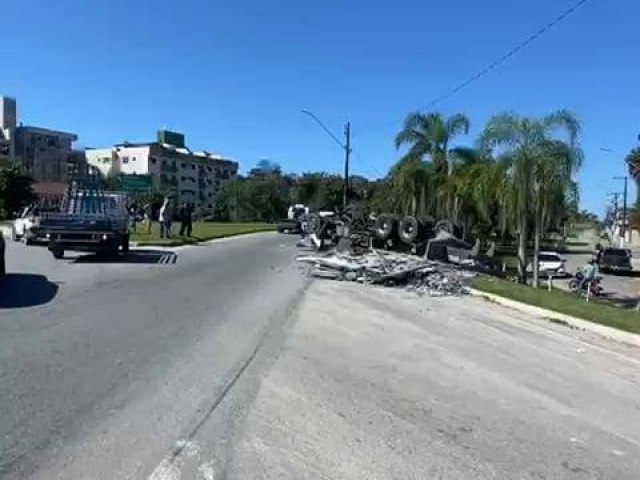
[347, 153]
[623, 230]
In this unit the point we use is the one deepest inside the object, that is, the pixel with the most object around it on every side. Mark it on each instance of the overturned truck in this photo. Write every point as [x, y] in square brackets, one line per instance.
[354, 231]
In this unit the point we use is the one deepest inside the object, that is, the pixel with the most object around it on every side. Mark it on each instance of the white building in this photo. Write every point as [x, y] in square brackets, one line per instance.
[175, 170]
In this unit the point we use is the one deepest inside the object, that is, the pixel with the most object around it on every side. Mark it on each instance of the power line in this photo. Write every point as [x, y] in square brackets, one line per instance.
[508, 55]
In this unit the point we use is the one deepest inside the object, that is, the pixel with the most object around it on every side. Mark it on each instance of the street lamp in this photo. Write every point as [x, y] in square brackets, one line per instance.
[347, 152]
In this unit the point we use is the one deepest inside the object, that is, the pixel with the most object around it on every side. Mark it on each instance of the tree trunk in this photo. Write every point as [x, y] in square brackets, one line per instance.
[522, 248]
[536, 250]
[423, 201]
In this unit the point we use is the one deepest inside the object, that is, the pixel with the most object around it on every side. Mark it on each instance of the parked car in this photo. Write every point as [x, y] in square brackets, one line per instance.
[615, 260]
[550, 263]
[25, 226]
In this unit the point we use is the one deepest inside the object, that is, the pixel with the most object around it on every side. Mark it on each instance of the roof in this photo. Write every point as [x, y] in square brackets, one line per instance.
[180, 150]
[45, 131]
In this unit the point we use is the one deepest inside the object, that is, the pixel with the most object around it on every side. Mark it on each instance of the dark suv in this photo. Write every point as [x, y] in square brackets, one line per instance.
[615, 260]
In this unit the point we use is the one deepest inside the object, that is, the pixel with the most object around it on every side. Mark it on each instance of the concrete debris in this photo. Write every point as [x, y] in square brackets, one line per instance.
[380, 267]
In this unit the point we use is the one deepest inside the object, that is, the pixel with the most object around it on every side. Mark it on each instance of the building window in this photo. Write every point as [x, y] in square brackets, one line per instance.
[133, 159]
[209, 168]
[125, 159]
[182, 179]
[153, 160]
[183, 165]
[210, 194]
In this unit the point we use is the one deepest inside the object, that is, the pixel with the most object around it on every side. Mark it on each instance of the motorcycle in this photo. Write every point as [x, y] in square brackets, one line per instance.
[596, 288]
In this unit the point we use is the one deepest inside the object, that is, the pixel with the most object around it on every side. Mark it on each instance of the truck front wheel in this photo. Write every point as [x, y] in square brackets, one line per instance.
[57, 251]
[125, 243]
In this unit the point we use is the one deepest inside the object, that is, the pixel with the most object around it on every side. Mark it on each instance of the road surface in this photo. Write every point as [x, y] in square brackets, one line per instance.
[218, 362]
[105, 366]
[377, 383]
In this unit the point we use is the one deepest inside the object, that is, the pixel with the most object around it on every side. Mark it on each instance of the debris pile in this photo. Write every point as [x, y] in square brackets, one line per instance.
[378, 267]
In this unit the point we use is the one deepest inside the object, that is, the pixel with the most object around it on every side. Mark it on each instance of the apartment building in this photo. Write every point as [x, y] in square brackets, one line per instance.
[175, 169]
[46, 154]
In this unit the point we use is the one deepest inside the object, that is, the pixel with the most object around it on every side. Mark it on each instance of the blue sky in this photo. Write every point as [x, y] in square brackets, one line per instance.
[233, 76]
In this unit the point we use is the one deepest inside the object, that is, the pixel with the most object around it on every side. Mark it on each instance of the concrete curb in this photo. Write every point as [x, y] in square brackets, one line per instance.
[602, 330]
[203, 242]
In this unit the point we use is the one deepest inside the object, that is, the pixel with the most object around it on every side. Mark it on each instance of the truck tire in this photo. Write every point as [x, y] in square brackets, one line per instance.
[408, 229]
[57, 251]
[313, 225]
[385, 226]
[445, 225]
[125, 243]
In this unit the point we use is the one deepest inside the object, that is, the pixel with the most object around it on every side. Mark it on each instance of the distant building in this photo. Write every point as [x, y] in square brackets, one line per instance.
[8, 124]
[46, 154]
[175, 169]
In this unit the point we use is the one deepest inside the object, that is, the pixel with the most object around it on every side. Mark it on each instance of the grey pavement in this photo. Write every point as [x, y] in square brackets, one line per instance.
[105, 366]
[379, 384]
[218, 362]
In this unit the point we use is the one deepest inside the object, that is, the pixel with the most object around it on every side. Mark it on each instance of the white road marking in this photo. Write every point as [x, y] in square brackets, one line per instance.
[170, 467]
[207, 471]
[617, 453]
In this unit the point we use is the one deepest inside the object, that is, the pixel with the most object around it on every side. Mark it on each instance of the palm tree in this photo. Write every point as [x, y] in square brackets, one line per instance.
[539, 173]
[429, 136]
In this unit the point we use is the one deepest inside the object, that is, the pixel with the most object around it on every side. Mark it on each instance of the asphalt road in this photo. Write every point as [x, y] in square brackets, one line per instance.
[106, 367]
[219, 362]
[377, 383]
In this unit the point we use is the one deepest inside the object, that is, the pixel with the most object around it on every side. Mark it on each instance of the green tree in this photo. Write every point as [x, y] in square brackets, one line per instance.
[633, 162]
[429, 136]
[16, 191]
[539, 172]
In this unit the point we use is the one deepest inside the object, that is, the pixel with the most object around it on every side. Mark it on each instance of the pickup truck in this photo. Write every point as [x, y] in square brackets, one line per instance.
[90, 220]
[615, 260]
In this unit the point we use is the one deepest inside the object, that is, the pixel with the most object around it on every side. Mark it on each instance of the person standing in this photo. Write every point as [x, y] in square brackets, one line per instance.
[133, 215]
[148, 216]
[166, 216]
[186, 219]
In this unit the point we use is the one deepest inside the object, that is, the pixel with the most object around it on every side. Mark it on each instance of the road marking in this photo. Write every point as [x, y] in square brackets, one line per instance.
[170, 467]
[207, 471]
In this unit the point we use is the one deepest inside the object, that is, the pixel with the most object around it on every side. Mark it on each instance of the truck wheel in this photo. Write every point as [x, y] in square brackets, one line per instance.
[125, 243]
[58, 252]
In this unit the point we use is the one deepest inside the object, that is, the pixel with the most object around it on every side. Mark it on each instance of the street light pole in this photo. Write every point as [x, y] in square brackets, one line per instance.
[347, 152]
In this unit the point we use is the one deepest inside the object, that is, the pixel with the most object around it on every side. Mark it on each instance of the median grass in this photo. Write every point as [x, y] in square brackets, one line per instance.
[563, 302]
[202, 231]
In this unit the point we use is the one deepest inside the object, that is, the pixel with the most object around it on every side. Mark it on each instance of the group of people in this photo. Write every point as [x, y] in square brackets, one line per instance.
[164, 215]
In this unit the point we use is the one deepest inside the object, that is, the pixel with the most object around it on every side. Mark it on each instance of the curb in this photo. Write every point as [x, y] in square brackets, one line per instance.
[602, 330]
[144, 244]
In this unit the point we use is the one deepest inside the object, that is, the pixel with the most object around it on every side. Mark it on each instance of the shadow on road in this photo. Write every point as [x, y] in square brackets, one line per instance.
[18, 290]
[142, 257]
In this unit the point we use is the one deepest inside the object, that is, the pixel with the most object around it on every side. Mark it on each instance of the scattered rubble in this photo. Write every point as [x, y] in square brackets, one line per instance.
[380, 267]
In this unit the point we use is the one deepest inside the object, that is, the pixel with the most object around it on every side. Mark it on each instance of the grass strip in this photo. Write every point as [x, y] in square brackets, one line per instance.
[562, 302]
[202, 231]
